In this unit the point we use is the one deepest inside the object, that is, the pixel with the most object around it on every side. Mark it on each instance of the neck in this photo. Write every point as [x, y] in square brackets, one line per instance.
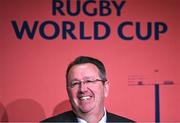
[92, 117]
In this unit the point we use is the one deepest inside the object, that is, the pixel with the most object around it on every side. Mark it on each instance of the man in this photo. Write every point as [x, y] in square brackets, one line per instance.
[87, 88]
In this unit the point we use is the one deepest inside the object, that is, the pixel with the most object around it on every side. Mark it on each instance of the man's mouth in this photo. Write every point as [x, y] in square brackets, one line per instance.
[83, 98]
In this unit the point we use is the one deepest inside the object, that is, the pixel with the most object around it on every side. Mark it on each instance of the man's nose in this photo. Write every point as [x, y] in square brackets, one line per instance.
[83, 87]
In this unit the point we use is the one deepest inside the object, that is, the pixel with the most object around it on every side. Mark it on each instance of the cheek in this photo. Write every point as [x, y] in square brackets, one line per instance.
[99, 92]
[72, 94]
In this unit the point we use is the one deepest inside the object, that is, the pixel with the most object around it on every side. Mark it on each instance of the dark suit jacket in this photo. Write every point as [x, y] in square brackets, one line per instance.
[71, 117]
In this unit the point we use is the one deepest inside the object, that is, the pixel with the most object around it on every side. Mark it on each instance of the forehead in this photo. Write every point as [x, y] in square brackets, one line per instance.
[83, 71]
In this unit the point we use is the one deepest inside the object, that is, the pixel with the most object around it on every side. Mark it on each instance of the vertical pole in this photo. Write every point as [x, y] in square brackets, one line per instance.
[157, 103]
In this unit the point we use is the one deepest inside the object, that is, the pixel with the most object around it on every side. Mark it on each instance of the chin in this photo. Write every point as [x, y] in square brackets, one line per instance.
[86, 109]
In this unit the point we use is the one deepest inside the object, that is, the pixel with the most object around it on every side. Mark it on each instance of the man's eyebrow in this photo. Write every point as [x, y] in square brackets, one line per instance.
[75, 79]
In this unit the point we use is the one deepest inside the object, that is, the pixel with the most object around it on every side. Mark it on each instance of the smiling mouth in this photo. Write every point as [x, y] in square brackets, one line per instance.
[84, 98]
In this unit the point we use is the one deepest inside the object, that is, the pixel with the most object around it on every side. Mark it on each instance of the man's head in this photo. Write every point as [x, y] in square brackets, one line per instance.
[87, 85]
[86, 59]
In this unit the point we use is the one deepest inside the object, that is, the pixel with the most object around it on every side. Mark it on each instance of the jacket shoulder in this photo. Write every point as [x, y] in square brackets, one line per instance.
[116, 118]
[68, 116]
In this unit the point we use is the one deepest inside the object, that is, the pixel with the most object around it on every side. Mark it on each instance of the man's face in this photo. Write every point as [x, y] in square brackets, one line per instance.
[86, 97]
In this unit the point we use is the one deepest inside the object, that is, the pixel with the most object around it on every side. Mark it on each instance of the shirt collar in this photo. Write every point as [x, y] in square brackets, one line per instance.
[103, 119]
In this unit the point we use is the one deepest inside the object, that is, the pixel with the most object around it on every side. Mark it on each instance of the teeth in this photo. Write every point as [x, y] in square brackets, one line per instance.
[85, 98]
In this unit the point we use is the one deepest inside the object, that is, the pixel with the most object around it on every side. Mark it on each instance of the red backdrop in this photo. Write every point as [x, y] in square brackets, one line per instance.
[32, 78]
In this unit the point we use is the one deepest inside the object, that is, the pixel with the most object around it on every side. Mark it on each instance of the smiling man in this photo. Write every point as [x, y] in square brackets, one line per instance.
[87, 89]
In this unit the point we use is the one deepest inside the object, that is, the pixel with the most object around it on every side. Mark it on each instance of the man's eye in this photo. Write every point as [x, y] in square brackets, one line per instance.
[75, 83]
[90, 81]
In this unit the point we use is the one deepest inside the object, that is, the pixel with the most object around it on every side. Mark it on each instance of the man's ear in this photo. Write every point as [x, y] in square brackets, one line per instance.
[106, 88]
